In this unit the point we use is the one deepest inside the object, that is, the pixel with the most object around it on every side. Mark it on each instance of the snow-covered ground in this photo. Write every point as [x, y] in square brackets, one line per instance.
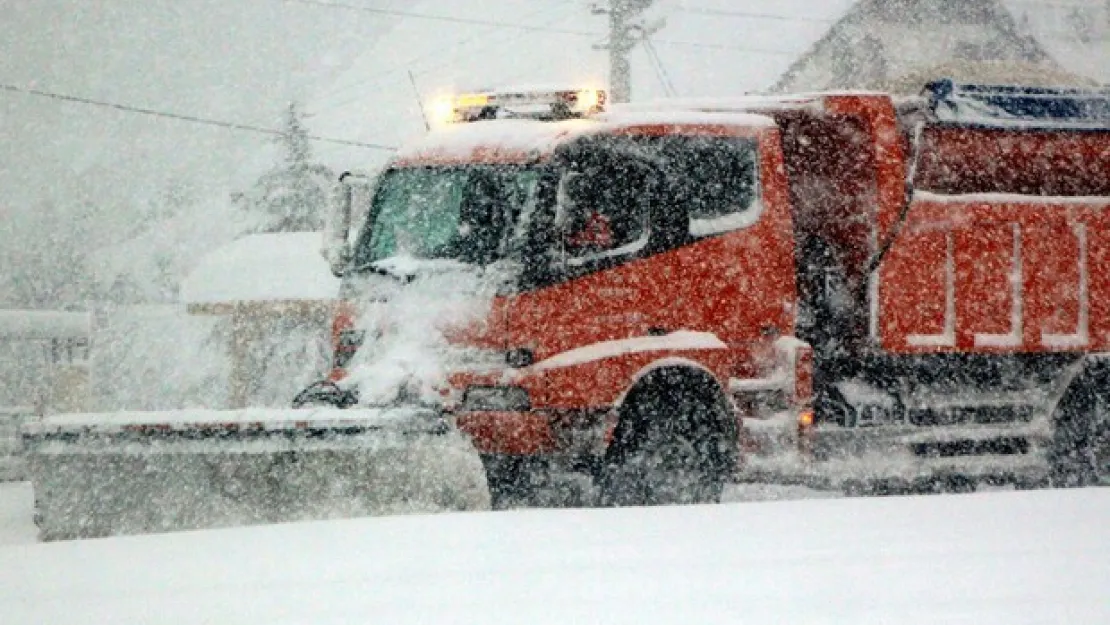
[1005, 557]
[16, 525]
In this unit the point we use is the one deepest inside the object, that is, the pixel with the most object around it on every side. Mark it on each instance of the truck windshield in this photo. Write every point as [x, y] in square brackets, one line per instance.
[459, 213]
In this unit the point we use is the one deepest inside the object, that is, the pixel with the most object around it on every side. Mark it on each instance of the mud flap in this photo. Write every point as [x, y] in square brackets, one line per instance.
[1081, 426]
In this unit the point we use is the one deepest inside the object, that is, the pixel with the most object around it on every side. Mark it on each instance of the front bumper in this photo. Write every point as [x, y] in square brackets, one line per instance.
[572, 433]
[897, 455]
[511, 433]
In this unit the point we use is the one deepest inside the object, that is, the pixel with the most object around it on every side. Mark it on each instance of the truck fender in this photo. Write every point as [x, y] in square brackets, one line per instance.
[674, 361]
[1077, 432]
[621, 431]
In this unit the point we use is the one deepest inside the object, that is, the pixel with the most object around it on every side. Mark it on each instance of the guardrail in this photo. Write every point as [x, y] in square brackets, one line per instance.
[13, 466]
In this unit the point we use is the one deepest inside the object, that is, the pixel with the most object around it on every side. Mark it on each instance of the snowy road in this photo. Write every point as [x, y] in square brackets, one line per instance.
[1008, 557]
[16, 506]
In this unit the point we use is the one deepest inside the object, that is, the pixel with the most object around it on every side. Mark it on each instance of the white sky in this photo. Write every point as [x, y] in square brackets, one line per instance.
[242, 61]
[238, 61]
[706, 47]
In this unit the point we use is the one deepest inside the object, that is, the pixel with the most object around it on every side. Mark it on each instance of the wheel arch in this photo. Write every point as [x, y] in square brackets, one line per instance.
[686, 366]
[669, 371]
[1074, 427]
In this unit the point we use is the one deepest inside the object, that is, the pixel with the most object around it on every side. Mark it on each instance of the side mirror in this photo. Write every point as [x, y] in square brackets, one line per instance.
[337, 250]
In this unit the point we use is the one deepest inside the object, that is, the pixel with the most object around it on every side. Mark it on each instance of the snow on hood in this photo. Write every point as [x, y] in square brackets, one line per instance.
[409, 266]
[406, 354]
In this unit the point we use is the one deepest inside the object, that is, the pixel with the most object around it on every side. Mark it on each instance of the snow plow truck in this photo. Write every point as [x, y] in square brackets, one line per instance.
[859, 291]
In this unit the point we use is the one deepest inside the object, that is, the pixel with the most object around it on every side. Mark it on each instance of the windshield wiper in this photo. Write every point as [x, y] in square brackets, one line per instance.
[373, 267]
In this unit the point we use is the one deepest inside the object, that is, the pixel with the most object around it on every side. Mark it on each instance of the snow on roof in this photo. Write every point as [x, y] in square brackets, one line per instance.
[521, 141]
[987, 73]
[687, 116]
[1075, 33]
[43, 324]
[738, 104]
[503, 140]
[263, 267]
[900, 47]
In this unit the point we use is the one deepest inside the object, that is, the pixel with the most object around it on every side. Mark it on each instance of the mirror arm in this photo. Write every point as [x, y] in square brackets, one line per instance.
[337, 251]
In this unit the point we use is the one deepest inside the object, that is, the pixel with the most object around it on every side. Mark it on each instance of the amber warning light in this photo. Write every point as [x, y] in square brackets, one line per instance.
[542, 104]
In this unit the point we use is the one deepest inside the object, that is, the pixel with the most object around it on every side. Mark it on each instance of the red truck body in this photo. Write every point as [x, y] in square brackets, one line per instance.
[905, 295]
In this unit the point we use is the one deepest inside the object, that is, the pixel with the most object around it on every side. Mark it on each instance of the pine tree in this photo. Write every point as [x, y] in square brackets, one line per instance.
[1081, 21]
[293, 196]
[46, 257]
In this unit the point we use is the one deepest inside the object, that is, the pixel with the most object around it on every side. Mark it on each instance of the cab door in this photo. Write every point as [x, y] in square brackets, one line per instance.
[588, 244]
[655, 231]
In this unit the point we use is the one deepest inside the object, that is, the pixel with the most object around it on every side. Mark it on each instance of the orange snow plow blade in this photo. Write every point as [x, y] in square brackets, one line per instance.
[131, 473]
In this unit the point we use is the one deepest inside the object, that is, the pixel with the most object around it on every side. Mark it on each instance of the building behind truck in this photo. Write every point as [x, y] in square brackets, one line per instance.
[45, 369]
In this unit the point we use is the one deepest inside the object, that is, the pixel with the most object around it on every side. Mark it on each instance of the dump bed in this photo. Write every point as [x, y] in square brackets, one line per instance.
[995, 272]
[1004, 243]
[970, 219]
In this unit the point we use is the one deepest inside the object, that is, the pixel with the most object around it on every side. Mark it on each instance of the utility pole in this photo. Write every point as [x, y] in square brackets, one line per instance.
[625, 31]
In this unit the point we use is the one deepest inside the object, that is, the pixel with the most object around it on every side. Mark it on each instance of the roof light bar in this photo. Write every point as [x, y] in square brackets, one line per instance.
[542, 104]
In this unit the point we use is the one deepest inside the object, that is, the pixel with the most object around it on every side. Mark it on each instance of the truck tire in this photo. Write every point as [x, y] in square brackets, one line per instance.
[675, 443]
[513, 481]
[531, 482]
[1080, 454]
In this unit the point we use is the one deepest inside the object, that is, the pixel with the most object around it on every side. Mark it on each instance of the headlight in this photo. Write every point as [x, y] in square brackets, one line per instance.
[496, 399]
[345, 348]
[520, 357]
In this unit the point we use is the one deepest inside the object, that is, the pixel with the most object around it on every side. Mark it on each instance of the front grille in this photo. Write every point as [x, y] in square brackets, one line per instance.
[1001, 446]
[962, 415]
[345, 348]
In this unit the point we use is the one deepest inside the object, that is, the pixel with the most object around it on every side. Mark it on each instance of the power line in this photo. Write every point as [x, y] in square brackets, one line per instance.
[444, 18]
[513, 25]
[497, 25]
[749, 14]
[660, 69]
[185, 118]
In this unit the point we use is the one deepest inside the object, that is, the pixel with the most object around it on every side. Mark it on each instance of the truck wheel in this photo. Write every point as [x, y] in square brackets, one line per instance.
[532, 482]
[1081, 436]
[675, 443]
[512, 480]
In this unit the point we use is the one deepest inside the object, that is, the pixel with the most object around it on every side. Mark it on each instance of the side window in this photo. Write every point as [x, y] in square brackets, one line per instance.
[716, 178]
[482, 224]
[601, 211]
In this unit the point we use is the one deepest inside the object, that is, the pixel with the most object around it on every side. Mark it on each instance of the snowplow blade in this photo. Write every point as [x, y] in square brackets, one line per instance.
[130, 473]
